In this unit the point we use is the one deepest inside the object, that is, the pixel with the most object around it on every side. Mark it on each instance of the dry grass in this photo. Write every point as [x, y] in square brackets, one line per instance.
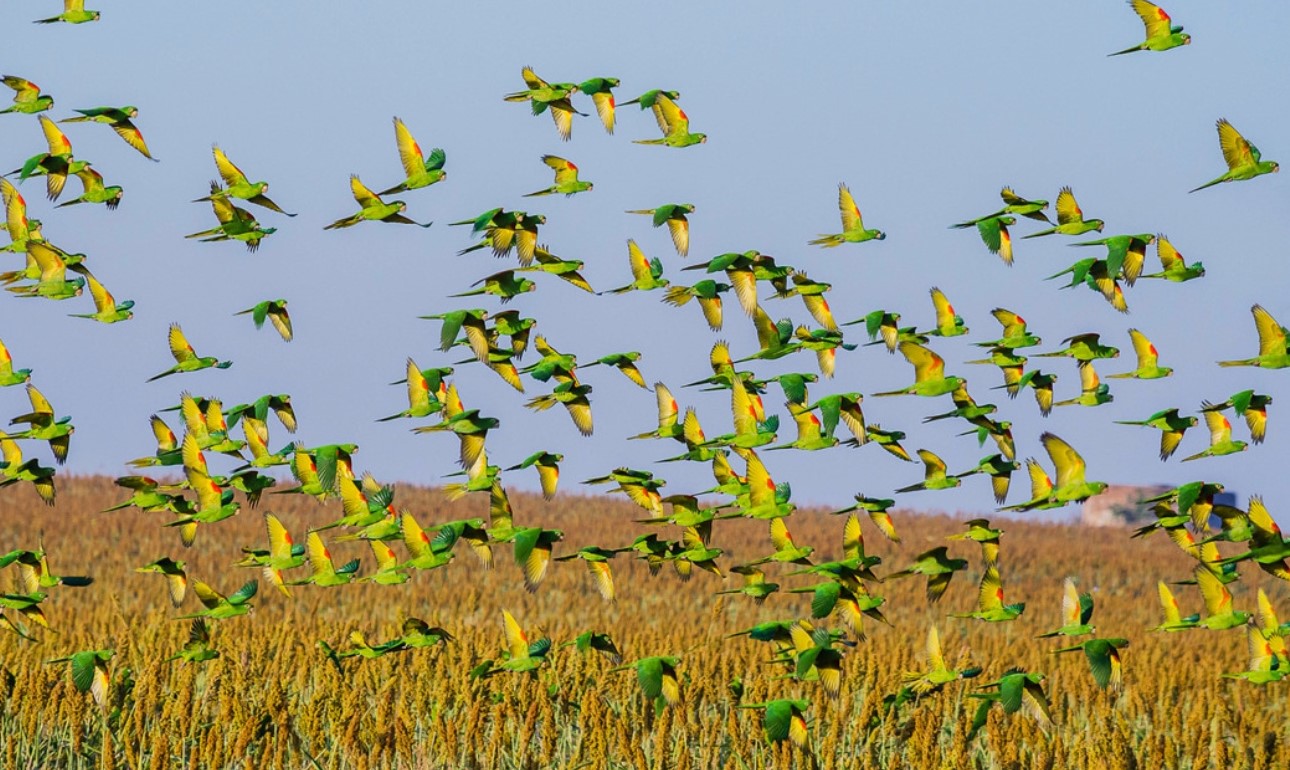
[273, 701]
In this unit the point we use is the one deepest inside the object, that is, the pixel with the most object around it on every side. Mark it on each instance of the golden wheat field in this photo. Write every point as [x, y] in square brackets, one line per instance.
[272, 700]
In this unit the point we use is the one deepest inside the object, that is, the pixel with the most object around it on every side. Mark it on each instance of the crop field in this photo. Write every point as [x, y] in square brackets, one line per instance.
[273, 700]
[193, 578]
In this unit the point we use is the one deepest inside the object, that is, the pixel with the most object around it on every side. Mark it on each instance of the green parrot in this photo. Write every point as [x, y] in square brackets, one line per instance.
[994, 234]
[14, 470]
[812, 293]
[1265, 665]
[282, 554]
[1070, 218]
[929, 373]
[937, 567]
[810, 434]
[564, 269]
[1148, 357]
[533, 547]
[566, 178]
[597, 561]
[853, 229]
[744, 270]
[27, 98]
[990, 606]
[555, 364]
[937, 675]
[754, 586]
[966, 407]
[1013, 204]
[647, 274]
[9, 375]
[275, 310]
[948, 323]
[1250, 405]
[1219, 615]
[521, 655]
[238, 186]
[1272, 343]
[548, 468]
[389, 572]
[73, 13]
[1071, 485]
[280, 403]
[545, 96]
[1015, 690]
[784, 719]
[1042, 384]
[106, 309]
[1220, 438]
[678, 225]
[889, 440]
[674, 124]
[787, 551]
[625, 363]
[1171, 425]
[54, 165]
[1244, 161]
[220, 607]
[198, 647]
[657, 677]
[21, 229]
[418, 634]
[186, 359]
[999, 469]
[708, 293]
[1097, 275]
[813, 658]
[849, 597]
[504, 231]
[44, 426]
[1077, 610]
[34, 575]
[1125, 254]
[89, 668]
[420, 172]
[118, 118]
[1015, 333]
[602, 96]
[51, 264]
[877, 510]
[880, 322]
[935, 476]
[325, 572]
[504, 284]
[373, 209]
[428, 553]
[648, 99]
[149, 494]
[1083, 347]
[1174, 621]
[574, 398]
[235, 222]
[94, 191]
[1011, 364]
[1195, 499]
[1173, 266]
[1092, 391]
[1162, 34]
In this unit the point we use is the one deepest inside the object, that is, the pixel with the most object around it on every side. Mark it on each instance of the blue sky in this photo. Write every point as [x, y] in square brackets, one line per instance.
[924, 110]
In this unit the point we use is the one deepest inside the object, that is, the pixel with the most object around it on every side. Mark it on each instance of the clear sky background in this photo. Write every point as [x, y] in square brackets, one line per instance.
[925, 110]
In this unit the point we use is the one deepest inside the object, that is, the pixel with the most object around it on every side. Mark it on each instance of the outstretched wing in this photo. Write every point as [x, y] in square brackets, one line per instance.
[409, 151]
[1236, 151]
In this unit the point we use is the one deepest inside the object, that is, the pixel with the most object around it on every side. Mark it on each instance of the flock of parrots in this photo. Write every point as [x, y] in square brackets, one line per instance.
[499, 339]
